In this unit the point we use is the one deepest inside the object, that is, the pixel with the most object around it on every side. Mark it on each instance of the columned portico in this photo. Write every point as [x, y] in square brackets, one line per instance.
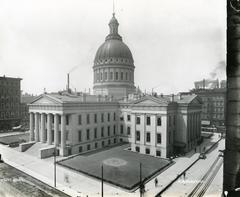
[31, 127]
[63, 131]
[36, 127]
[56, 129]
[43, 128]
[49, 129]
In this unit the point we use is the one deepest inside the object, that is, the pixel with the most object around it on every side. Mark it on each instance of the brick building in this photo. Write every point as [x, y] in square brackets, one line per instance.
[9, 102]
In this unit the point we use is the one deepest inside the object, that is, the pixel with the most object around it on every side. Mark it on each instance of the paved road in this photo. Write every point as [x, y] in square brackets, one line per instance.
[14, 183]
[200, 177]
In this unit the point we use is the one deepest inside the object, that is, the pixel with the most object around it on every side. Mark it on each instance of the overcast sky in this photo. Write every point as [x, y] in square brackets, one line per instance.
[173, 43]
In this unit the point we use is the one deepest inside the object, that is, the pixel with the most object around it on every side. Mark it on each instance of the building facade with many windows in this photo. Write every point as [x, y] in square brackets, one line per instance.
[9, 102]
[158, 126]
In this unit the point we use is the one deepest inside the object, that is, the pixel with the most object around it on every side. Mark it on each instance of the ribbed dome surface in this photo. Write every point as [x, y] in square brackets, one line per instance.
[113, 48]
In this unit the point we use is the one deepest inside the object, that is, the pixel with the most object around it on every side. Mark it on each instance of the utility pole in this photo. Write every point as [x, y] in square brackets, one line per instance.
[55, 175]
[141, 185]
[102, 180]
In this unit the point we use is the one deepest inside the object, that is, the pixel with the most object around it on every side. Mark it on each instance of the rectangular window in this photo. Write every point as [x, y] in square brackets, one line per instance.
[138, 135]
[88, 118]
[129, 117]
[88, 147]
[137, 149]
[105, 75]
[148, 120]
[148, 137]
[80, 149]
[80, 136]
[67, 119]
[116, 75]
[108, 117]
[158, 153]
[121, 75]
[138, 120]
[114, 129]
[121, 129]
[126, 76]
[102, 117]
[102, 143]
[174, 120]
[129, 130]
[114, 140]
[147, 151]
[159, 138]
[95, 118]
[109, 142]
[95, 132]
[101, 76]
[67, 135]
[96, 145]
[108, 130]
[102, 131]
[111, 75]
[88, 134]
[159, 121]
[121, 118]
[79, 119]
[114, 116]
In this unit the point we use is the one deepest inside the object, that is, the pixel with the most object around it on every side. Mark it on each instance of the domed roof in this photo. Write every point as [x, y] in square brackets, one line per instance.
[113, 47]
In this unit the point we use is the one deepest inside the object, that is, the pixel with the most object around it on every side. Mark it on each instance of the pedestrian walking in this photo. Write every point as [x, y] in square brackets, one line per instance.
[184, 175]
[156, 182]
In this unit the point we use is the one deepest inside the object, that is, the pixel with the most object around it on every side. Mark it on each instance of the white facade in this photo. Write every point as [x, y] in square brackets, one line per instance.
[152, 125]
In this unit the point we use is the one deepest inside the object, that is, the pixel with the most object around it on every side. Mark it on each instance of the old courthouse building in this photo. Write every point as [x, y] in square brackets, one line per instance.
[75, 123]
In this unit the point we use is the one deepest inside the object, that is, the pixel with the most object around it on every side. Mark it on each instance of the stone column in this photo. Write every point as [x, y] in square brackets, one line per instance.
[63, 131]
[36, 127]
[43, 128]
[49, 129]
[56, 129]
[31, 126]
[231, 178]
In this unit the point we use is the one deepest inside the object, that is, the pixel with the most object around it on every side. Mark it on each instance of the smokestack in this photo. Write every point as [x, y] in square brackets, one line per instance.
[68, 90]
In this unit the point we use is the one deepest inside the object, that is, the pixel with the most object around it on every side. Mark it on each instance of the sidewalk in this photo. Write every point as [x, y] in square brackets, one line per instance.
[76, 184]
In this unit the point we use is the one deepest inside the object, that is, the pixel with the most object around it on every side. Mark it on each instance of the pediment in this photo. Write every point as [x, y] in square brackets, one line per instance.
[149, 101]
[45, 100]
[196, 100]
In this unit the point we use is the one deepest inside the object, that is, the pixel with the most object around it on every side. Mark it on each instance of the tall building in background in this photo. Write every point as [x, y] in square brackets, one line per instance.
[213, 95]
[10, 94]
[113, 66]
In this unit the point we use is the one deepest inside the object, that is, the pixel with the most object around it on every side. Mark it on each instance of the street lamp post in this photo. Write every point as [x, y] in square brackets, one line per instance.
[102, 180]
[55, 175]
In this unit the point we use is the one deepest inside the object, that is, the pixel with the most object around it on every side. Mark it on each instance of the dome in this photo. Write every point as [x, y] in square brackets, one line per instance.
[113, 48]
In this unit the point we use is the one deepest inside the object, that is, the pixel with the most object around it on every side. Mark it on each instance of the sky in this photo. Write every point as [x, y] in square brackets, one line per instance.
[173, 43]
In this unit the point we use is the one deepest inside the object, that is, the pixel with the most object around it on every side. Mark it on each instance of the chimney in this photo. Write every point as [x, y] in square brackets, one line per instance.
[172, 98]
[111, 98]
[68, 90]
[203, 83]
[161, 95]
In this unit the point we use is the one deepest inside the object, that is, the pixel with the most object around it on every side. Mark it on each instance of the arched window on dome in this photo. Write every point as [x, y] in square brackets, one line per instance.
[126, 76]
[101, 76]
[121, 75]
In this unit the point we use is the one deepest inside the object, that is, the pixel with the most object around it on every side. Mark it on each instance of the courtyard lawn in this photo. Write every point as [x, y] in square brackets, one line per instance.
[121, 167]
